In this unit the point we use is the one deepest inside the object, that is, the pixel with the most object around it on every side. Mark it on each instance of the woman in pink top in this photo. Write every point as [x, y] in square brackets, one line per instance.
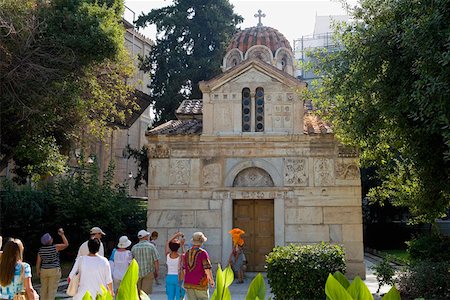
[197, 268]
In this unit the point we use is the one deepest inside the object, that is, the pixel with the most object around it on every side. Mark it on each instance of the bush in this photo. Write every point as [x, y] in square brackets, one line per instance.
[432, 247]
[385, 272]
[429, 280]
[75, 203]
[300, 271]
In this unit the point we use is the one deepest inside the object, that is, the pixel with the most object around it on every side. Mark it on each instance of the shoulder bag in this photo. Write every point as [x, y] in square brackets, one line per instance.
[72, 289]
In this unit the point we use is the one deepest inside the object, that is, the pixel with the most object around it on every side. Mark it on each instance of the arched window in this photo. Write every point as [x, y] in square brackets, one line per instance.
[246, 110]
[259, 110]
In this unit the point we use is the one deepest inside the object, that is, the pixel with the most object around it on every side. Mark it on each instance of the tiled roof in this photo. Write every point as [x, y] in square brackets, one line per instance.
[190, 109]
[312, 124]
[178, 127]
[259, 35]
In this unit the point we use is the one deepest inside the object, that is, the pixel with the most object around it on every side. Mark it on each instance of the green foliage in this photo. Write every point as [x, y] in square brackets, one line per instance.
[191, 38]
[432, 247]
[256, 289]
[300, 271]
[76, 203]
[128, 287]
[385, 272]
[128, 290]
[427, 279]
[356, 290]
[62, 76]
[386, 91]
[223, 280]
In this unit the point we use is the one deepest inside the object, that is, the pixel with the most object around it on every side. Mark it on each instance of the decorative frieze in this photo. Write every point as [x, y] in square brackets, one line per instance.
[346, 170]
[295, 172]
[158, 151]
[179, 171]
[323, 172]
[211, 175]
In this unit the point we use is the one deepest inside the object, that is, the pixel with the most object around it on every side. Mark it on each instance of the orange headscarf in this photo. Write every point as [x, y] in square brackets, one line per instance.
[236, 236]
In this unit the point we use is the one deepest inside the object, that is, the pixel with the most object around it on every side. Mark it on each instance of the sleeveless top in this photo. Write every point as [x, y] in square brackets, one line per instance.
[49, 256]
[172, 265]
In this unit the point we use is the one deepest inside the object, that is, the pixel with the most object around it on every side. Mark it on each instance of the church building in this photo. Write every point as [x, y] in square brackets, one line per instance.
[250, 155]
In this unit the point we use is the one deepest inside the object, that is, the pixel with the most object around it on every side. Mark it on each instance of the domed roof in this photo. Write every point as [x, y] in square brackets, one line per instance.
[259, 35]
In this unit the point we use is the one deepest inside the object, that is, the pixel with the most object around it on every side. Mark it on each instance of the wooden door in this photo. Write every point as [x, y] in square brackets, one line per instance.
[255, 217]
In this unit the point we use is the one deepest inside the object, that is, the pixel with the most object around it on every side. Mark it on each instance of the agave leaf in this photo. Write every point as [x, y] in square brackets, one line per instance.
[393, 294]
[342, 279]
[87, 296]
[358, 290]
[335, 291]
[128, 289]
[218, 292]
[256, 289]
[228, 276]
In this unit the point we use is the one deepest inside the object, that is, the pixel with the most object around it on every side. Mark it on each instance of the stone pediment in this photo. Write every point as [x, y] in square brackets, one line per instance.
[252, 75]
[253, 70]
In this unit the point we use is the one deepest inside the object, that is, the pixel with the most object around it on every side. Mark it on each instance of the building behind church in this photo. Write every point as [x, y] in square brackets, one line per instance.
[249, 155]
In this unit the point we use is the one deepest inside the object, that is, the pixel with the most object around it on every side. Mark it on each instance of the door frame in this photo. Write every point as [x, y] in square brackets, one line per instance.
[278, 195]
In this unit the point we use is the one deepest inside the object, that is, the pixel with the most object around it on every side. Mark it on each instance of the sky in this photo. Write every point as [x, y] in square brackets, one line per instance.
[293, 18]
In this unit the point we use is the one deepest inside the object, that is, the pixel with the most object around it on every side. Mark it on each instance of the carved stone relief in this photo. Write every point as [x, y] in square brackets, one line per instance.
[346, 170]
[252, 177]
[179, 171]
[260, 53]
[323, 172]
[158, 151]
[295, 171]
[211, 175]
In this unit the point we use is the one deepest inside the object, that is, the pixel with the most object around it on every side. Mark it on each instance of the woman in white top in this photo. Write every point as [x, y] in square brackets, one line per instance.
[174, 289]
[94, 272]
[120, 260]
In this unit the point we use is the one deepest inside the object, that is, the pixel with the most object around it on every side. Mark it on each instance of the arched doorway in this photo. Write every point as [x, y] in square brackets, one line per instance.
[255, 217]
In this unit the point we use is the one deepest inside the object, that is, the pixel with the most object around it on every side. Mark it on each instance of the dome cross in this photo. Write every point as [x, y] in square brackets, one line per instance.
[260, 15]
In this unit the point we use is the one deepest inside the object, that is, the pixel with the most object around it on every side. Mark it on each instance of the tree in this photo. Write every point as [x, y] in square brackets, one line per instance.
[63, 70]
[387, 91]
[191, 39]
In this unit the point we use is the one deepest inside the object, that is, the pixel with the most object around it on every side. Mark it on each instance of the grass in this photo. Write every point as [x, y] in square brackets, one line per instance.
[399, 255]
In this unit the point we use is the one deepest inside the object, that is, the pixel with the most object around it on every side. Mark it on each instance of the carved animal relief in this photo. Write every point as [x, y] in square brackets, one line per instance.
[346, 170]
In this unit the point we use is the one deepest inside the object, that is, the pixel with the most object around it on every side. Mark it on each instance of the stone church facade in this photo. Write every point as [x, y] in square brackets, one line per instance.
[249, 155]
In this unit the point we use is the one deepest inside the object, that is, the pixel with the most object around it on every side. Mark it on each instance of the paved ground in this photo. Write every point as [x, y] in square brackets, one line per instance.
[239, 291]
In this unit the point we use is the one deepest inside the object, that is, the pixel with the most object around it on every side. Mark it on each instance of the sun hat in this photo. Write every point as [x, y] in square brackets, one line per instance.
[198, 238]
[124, 242]
[46, 239]
[95, 230]
[143, 233]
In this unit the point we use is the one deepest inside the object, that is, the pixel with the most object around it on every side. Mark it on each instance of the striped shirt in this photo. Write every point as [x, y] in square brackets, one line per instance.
[49, 256]
[145, 254]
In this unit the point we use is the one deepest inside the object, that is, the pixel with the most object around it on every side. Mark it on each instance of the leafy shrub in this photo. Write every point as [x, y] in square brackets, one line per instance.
[338, 287]
[432, 247]
[385, 272]
[300, 271]
[430, 280]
